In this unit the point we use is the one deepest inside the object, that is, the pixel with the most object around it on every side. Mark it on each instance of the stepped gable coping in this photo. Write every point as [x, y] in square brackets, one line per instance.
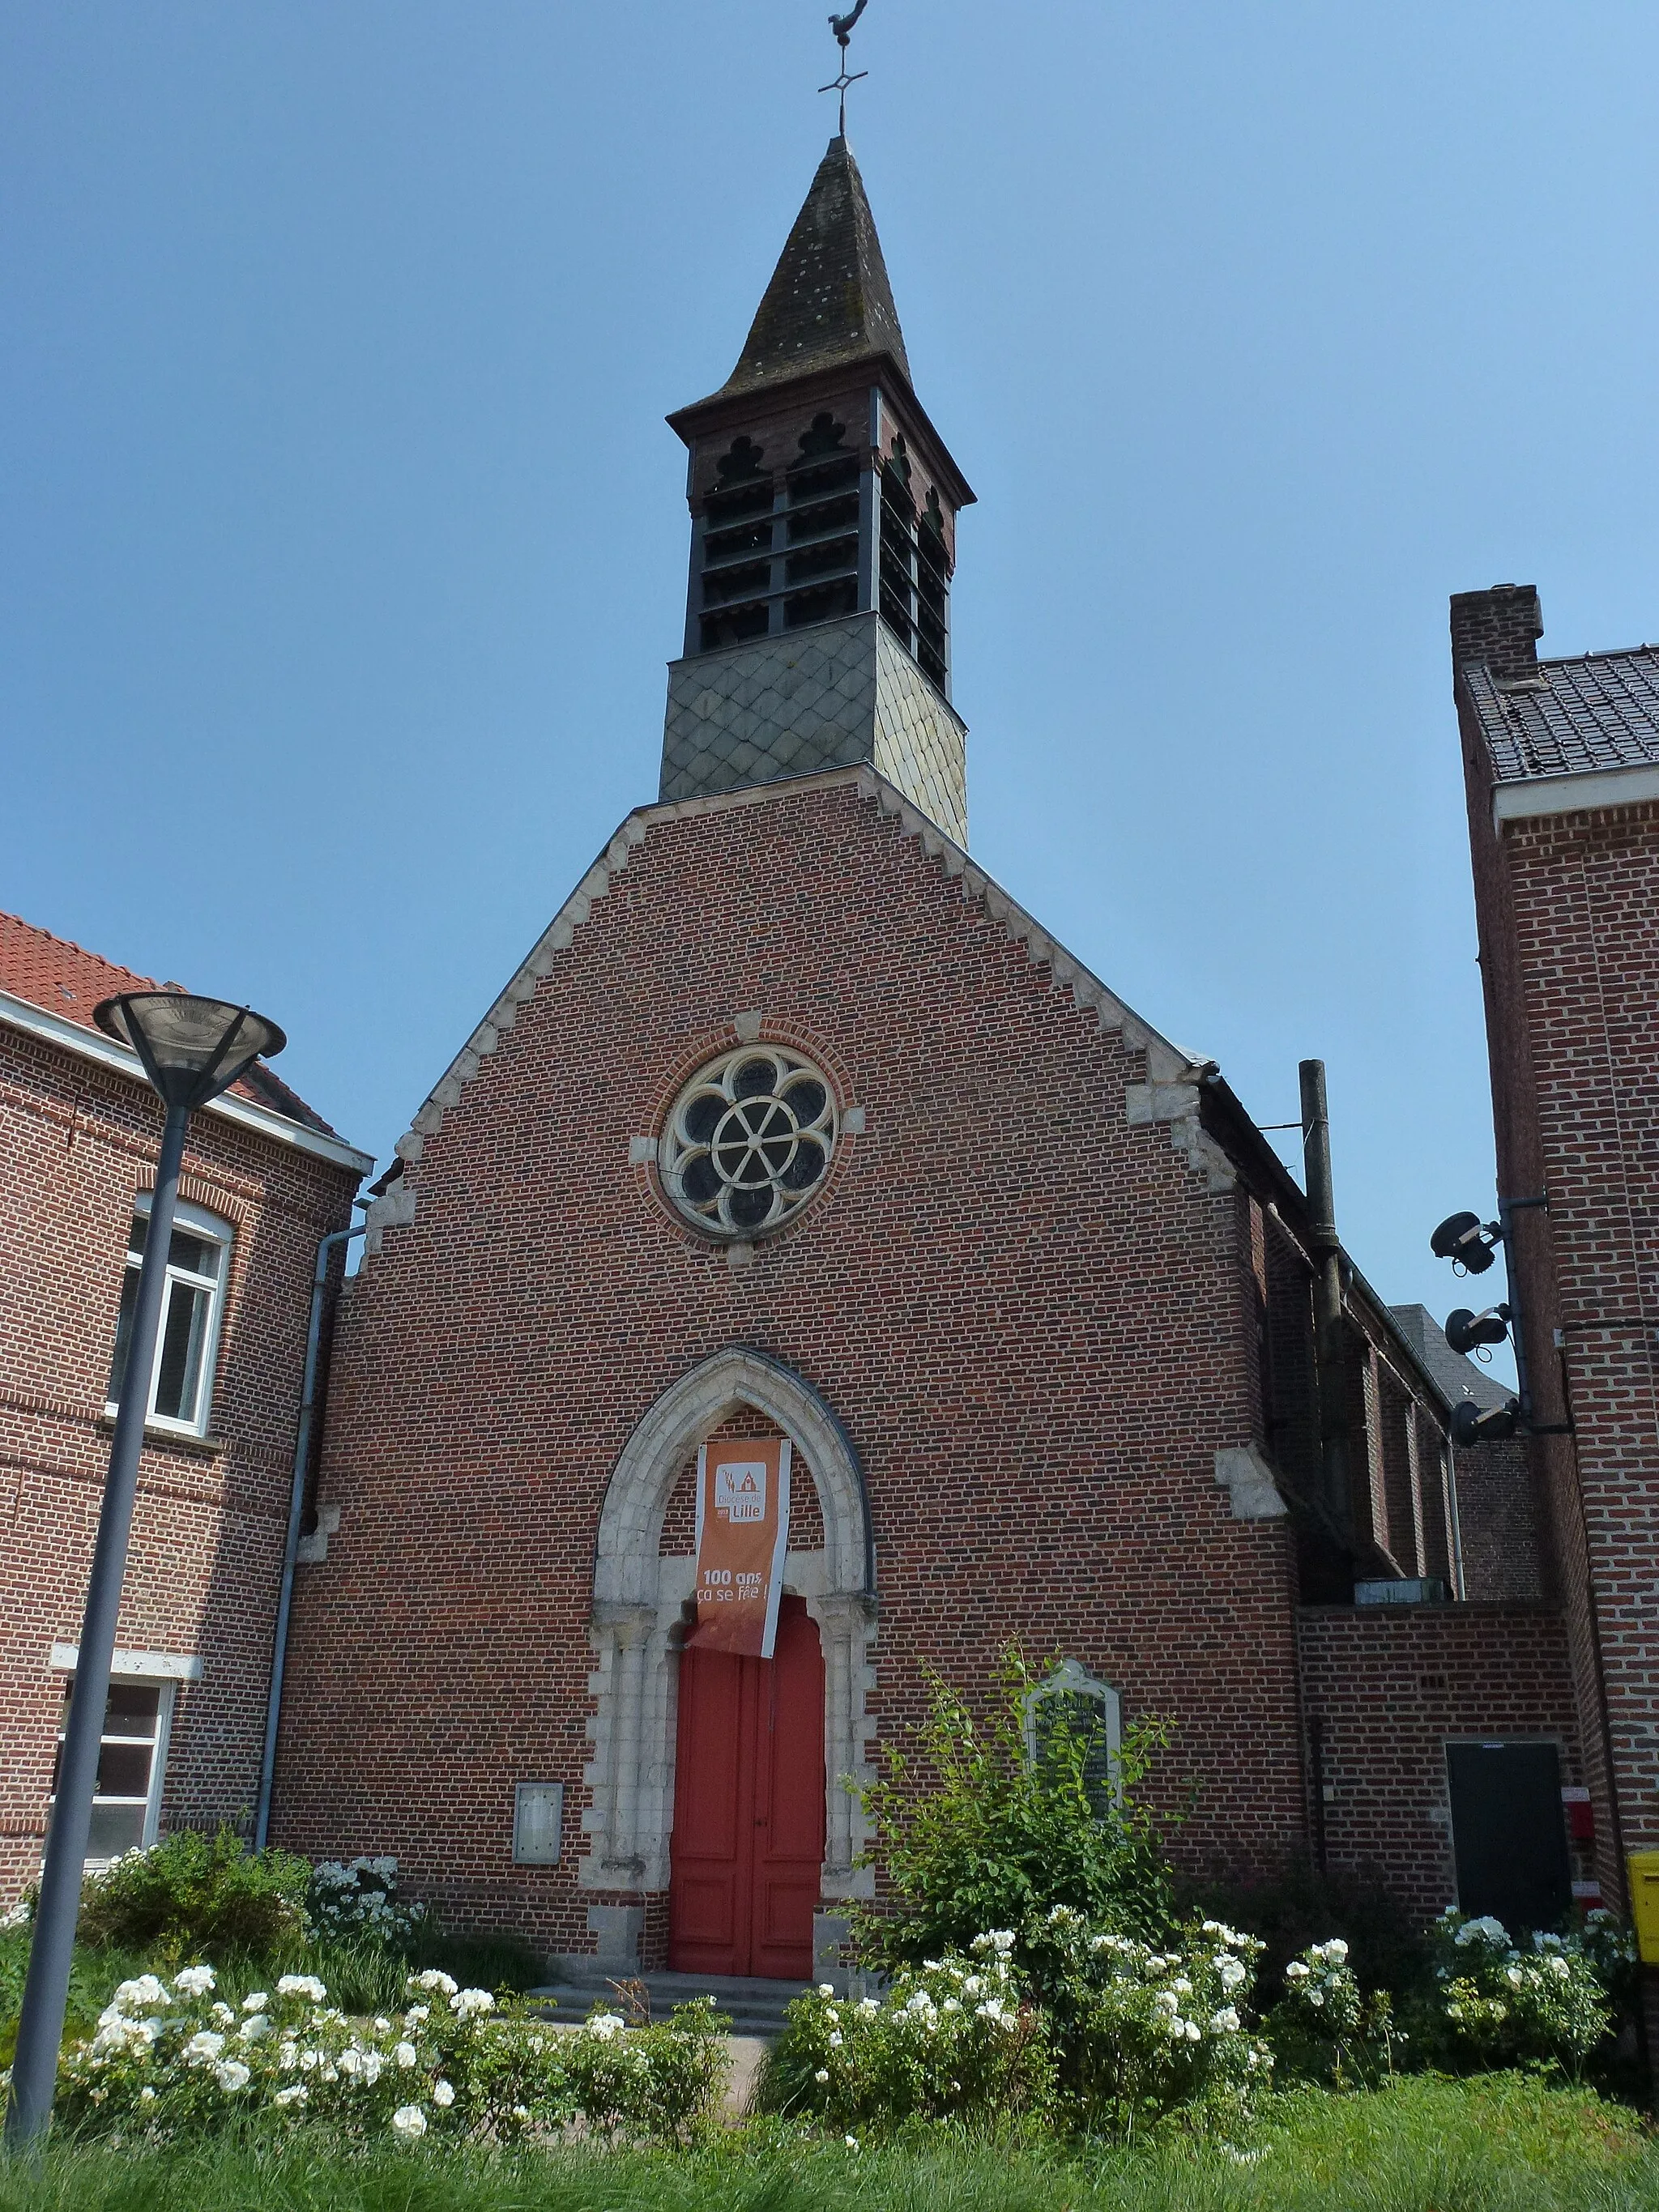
[1169, 1096]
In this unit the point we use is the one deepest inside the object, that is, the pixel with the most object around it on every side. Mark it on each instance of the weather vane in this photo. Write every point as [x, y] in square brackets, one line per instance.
[843, 27]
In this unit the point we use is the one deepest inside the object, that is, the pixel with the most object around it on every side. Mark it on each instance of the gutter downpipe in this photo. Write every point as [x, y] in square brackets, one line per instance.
[296, 1509]
[1327, 1253]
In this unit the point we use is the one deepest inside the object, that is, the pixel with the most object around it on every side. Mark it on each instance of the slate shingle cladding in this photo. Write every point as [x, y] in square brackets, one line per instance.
[822, 698]
[830, 302]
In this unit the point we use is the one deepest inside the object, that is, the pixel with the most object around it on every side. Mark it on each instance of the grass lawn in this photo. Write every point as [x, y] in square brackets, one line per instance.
[1499, 2144]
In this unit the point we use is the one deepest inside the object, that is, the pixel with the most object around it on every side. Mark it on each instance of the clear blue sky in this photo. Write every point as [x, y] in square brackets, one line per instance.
[343, 541]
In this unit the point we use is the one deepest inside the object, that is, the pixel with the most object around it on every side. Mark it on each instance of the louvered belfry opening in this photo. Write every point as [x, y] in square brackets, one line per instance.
[823, 510]
[736, 548]
[825, 504]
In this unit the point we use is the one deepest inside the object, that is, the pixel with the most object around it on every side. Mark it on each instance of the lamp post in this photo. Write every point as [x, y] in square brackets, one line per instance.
[191, 1050]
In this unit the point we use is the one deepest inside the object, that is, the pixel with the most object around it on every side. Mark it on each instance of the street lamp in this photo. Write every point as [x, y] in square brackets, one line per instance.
[191, 1050]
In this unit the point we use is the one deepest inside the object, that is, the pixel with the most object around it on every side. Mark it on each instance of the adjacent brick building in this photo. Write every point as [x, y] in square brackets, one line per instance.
[793, 1126]
[264, 1180]
[1561, 760]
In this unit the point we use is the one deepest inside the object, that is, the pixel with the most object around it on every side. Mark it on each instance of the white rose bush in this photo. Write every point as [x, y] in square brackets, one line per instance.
[1610, 1944]
[171, 2061]
[1145, 2029]
[1547, 2005]
[358, 1899]
[1325, 2028]
[1094, 2030]
[1126, 2034]
[951, 2040]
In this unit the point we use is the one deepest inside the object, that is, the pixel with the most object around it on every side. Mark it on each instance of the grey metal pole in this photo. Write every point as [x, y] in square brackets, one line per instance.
[45, 1992]
[296, 1506]
[1507, 1210]
[1327, 1291]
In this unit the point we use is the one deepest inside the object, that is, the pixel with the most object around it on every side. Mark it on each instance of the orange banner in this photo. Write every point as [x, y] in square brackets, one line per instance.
[743, 1529]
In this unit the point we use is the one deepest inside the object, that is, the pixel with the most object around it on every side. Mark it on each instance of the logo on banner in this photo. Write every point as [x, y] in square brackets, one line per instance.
[740, 1489]
[742, 1531]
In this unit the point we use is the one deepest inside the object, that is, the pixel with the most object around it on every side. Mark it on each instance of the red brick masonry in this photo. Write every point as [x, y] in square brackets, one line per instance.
[1389, 1686]
[77, 1144]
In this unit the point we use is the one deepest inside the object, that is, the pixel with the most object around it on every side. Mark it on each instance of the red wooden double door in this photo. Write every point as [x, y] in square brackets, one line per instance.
[748, 1784]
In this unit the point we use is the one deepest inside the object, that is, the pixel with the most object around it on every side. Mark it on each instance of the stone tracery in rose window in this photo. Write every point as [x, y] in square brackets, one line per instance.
[748, 1140]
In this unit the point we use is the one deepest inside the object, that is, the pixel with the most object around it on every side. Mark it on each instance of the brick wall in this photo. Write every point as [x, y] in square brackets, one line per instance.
[1388, 1688]
[1036, 1322]
[77, 1143]
[1499, 1516]
[1571, 969]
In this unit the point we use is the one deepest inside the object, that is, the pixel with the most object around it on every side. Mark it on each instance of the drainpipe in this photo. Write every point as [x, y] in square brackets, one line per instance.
[1460, 1589]
[1327, 1294]
[296, 1502]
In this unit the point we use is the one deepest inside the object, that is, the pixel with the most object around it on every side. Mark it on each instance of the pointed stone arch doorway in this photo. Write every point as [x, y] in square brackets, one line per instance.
[638, 1603]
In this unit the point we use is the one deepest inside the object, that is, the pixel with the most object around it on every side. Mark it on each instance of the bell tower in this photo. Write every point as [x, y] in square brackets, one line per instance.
[823, 522]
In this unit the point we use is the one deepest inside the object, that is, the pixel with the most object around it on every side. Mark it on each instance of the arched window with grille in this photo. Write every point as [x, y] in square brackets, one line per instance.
[1092, 1712]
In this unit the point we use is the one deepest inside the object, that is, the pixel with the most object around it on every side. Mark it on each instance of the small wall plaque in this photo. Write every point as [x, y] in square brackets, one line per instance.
[538, 1823]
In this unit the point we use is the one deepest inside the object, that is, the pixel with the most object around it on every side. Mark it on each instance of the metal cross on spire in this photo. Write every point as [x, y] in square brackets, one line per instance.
[843, 27]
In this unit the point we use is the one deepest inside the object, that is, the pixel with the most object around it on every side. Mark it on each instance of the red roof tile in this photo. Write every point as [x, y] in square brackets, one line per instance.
[67, 979]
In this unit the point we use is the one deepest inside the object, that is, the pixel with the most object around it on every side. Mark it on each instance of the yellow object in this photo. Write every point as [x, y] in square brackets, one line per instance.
[1644, 1904]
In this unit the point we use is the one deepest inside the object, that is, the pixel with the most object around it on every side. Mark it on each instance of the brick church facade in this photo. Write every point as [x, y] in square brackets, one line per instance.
[1031, 1300]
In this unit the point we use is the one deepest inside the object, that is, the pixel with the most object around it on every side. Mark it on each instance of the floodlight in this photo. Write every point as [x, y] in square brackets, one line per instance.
[1467, 1241]
[1465, 1330]
[1469, 1426]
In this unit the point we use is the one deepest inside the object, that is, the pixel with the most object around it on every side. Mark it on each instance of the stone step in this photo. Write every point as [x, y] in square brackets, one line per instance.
[755, 2007]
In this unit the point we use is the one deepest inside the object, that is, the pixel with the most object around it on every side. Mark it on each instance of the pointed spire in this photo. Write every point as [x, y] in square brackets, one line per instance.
[829, 303]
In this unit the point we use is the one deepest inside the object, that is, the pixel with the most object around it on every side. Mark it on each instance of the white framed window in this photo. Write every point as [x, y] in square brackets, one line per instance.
[126, 1804]
[192, 1305]
[1092, 1711]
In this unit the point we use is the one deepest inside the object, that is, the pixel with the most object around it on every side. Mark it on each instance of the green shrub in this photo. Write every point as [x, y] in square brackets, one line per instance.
[172, 2062]
[493, 1958]
[192, 1894]
[1497, 2005]
[973, 1832]
[1143, 2030]
[952, 2040]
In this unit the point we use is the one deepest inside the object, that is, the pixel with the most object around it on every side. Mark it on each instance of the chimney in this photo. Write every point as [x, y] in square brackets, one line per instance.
[1500, 627]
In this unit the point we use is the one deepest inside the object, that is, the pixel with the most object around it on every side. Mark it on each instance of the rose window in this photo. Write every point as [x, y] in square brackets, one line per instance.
[748, 1140]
